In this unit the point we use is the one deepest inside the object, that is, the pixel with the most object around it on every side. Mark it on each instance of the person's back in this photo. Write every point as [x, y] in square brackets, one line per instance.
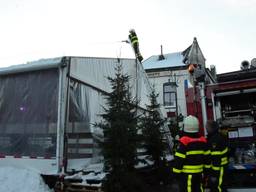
[135, 44]
[191, 157]
[219, 157]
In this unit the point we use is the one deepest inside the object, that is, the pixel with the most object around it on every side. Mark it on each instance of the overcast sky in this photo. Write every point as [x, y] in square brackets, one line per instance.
[35, 29]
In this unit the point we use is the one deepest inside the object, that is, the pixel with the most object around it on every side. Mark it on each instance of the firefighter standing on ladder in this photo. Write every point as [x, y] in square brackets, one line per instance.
[135, 44]
[191, 157]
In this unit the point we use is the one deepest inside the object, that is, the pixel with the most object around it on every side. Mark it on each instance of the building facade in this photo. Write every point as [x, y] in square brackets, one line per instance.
[169, 83]
[170, 77]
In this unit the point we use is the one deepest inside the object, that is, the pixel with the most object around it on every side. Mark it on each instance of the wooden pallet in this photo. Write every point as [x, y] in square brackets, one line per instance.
[77, 187]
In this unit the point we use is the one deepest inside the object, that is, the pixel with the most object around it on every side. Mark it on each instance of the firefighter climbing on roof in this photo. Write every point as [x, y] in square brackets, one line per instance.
[135, 44]
[191, 157]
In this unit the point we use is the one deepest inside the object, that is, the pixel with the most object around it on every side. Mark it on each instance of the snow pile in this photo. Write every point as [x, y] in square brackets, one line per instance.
[22, 180]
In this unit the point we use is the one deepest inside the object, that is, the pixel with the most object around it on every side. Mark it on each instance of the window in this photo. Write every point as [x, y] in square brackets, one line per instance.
[169, 94]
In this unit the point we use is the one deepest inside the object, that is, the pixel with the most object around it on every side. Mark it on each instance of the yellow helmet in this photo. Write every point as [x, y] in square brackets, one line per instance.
[191, 124]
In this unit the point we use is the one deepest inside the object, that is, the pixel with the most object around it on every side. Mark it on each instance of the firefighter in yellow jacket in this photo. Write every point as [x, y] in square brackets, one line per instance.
[191, 157]
[219, 158]
[135, 44]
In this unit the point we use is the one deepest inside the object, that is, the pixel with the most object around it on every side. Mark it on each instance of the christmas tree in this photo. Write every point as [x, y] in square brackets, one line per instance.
[120, 136]
[151, 124]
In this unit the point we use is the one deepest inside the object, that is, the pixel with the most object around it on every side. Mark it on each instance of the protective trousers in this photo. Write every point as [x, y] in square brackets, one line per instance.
[217, 182]
[191, 183]
[137, 51]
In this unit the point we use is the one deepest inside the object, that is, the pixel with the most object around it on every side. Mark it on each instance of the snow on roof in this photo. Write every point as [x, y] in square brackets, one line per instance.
[170, 60]
[22, 180]
[31, 66]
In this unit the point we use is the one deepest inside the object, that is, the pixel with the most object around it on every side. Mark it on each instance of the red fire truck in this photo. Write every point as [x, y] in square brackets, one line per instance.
[231, 101]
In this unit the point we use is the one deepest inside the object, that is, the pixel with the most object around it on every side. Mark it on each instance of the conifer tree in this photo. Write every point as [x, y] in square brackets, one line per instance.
[151, 124]
[120, 136]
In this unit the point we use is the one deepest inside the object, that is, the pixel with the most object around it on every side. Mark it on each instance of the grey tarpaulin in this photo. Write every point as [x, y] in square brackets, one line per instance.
[79, 107]
[28, 113]
[84, 107]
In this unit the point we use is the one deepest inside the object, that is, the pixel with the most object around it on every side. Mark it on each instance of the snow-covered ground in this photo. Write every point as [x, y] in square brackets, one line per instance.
[22, 180]
[14, 179]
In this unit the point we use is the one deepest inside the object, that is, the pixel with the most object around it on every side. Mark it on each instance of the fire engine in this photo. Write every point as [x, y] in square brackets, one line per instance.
[231, 101]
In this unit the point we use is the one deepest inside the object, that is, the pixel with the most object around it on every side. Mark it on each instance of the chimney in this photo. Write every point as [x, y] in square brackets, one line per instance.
[161, 56]
[213, 71]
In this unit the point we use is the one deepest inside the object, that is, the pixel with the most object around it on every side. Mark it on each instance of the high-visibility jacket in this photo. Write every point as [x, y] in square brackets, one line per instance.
[219, 151]
[192, 155]
[135, 44]
[190, 160]
[219, 161]
[133, 38]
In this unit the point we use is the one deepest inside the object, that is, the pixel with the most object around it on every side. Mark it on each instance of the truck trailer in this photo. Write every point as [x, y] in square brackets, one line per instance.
[49, 109]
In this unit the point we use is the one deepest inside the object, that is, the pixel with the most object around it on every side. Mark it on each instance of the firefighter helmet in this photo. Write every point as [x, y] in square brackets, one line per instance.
[131, 30]
[191, 124]
[191, 68]
[212, 126]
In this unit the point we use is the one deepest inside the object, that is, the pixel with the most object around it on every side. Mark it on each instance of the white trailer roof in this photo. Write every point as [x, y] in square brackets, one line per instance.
[32, 66]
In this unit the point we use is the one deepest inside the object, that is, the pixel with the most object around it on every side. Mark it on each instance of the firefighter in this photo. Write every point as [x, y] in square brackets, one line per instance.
[135, 44]
[191, 157]
[219, 158]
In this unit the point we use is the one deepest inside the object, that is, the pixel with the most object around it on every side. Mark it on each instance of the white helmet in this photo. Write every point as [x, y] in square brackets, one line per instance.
[191, 124]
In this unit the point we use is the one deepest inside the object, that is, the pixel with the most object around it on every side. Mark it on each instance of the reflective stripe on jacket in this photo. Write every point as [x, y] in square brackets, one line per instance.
[192, 155]
[133, 38]
[219, 150]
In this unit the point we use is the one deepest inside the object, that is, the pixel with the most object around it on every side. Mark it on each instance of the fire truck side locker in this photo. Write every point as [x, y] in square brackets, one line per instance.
[235, 110]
